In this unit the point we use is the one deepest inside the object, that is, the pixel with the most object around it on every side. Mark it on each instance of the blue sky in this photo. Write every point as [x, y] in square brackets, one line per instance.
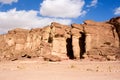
[38, 13]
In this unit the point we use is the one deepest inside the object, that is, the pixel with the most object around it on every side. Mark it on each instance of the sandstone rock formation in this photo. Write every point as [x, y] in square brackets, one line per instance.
[101, 40]
[91, 40]
[116, 23]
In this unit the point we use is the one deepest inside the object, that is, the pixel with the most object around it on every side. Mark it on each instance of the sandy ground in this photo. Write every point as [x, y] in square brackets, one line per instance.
[35, 69]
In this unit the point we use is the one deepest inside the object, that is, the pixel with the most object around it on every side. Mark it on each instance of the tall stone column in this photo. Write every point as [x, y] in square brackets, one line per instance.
[59, 36]
[59, 47]
[76, 46]
[88, 42]
[76, 31]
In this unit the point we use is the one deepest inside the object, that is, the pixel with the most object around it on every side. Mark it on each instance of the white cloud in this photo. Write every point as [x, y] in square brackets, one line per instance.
[62, 8]
[25, 19]
[117, 11]
[8, 1]
[93, 3]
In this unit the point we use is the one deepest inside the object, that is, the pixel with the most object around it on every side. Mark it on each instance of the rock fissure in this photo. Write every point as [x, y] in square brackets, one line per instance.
[82, 44]
[69, 47]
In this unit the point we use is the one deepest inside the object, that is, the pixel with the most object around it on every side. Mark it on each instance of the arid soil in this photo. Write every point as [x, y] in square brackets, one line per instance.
[36, 69]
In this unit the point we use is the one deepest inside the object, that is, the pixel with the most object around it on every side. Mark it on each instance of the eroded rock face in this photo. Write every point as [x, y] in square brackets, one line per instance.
[48, 42]
[101, 40]
[76, 32]
[59, 35]
[95, 40]
[91, 40]
[116, 23]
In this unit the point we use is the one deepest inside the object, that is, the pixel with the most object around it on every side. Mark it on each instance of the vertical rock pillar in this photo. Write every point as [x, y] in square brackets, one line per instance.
[88, 42]
[76, 46]
[59, 47]
[76, 36]
[59, 35]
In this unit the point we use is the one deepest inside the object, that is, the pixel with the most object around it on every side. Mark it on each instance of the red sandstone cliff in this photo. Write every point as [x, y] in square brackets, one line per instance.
[91, 40]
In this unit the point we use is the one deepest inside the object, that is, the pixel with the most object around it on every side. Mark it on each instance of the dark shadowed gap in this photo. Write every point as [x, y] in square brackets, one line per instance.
[69, 48]
[50, 39]
[26, 56]
[82, 44]
[118, 32]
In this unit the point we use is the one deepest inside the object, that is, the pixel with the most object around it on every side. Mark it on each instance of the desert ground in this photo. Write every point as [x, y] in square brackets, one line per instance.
[37, 69]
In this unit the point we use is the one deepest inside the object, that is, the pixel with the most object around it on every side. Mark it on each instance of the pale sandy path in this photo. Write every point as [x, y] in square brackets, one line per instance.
[65, 70]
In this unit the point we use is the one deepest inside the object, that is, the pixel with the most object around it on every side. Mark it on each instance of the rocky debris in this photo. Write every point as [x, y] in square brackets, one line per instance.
[91, 40]
[103, 54]
[52, 58]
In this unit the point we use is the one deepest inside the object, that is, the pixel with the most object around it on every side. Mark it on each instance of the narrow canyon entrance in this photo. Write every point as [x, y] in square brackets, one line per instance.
[82, 44]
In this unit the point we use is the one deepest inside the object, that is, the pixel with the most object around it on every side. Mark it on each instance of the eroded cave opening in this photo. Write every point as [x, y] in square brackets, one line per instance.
[69, 48]
[82, 44]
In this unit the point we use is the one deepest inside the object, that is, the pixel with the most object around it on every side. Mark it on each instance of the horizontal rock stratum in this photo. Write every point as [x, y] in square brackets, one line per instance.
[91, 40]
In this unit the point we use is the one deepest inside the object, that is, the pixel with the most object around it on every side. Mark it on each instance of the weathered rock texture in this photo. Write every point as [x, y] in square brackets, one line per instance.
[91, 40]
[116, 23]
[102, 41]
